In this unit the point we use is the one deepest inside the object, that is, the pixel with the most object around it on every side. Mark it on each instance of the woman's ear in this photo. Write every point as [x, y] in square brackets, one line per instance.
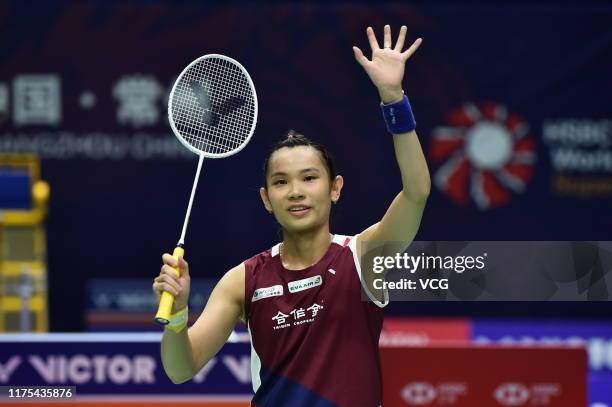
[336, 188]
[263, 193]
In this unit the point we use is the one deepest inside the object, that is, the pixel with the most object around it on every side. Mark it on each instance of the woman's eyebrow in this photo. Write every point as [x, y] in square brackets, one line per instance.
[282, 174]
[313, 169]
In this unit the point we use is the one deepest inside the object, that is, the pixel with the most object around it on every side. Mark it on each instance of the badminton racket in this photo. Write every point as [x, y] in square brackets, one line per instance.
[212, 110]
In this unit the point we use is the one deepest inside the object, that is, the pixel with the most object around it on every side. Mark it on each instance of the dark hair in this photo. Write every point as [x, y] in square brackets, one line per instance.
[295, 139]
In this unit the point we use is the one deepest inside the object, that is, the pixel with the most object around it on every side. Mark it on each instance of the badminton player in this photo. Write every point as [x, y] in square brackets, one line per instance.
[314, 337]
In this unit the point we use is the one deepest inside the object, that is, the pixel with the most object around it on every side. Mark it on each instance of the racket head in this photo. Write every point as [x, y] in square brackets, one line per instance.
[212, 108]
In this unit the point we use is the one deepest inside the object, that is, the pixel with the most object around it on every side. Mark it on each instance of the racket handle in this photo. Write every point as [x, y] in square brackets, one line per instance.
[165, 303]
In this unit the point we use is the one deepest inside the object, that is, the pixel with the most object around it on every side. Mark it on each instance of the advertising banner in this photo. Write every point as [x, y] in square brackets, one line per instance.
[594, 335]
[484, 376]
[114, 365]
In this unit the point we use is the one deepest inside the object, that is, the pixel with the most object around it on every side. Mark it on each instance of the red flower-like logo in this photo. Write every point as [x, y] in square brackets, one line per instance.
[484, 153]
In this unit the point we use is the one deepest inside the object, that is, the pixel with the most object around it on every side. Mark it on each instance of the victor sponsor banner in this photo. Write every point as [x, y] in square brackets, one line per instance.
[116, 364]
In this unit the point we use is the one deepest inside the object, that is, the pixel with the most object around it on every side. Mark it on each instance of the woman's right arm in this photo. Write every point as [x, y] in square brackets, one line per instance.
[186, 352]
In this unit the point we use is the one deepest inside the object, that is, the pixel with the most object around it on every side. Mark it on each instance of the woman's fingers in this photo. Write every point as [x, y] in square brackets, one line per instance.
[167, 269]
[415, 45]
[183, 266]
[165, 282]
[359, 56]
[401, 38]
[387, 36]
[372, 39]
[388, 43]
[179, 263]
[168, 259]
[168, 279]
[167, 273]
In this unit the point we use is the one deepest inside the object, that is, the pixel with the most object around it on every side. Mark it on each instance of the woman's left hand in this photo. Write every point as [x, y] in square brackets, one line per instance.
[386, 69]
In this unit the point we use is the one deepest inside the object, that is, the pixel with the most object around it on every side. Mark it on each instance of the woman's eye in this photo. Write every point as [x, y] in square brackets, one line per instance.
[310, 178]
[279, 182]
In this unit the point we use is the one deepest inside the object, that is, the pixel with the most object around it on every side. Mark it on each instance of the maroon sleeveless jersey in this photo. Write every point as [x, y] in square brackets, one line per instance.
[314, 341]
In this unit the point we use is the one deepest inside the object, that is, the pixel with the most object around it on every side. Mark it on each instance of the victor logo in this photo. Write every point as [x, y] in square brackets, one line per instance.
[261, 293]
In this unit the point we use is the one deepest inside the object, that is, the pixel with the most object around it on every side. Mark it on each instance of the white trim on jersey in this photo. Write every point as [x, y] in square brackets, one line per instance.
[255, 364]
[340, 239]
[353, 247]
[275, 251]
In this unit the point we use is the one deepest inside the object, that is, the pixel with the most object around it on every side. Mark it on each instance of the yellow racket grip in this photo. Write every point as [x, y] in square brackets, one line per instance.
[165, 303]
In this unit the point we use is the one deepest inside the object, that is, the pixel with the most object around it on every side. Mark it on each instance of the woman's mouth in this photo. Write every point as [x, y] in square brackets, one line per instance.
[299, 210]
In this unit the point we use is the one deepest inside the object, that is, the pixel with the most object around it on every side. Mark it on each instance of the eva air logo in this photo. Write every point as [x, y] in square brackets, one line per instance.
[304, 284]
[484, 154]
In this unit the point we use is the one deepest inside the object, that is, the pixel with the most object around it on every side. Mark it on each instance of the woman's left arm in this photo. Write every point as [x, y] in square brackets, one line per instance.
[401, 222]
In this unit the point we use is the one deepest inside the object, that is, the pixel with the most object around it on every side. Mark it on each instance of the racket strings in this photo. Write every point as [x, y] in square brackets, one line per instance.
[213, 107]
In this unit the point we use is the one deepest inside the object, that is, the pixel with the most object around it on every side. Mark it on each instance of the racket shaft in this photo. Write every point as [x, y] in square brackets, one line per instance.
[165, 303]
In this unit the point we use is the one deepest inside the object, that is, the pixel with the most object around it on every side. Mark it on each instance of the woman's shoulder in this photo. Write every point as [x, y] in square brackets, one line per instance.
[257, 261]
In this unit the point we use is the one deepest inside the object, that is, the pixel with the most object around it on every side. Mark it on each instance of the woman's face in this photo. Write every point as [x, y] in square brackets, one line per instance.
[298, 189]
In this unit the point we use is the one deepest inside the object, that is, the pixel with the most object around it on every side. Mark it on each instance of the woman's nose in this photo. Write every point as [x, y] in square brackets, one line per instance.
[295, 192]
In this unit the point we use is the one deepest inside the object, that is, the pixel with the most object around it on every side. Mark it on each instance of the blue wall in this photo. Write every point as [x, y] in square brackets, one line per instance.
[115, 209]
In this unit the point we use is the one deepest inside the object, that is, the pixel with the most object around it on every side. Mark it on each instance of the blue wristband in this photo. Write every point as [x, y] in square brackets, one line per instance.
[398, 116]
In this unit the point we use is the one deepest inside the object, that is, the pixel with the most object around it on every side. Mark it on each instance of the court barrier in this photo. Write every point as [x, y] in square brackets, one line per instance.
[125, 369]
